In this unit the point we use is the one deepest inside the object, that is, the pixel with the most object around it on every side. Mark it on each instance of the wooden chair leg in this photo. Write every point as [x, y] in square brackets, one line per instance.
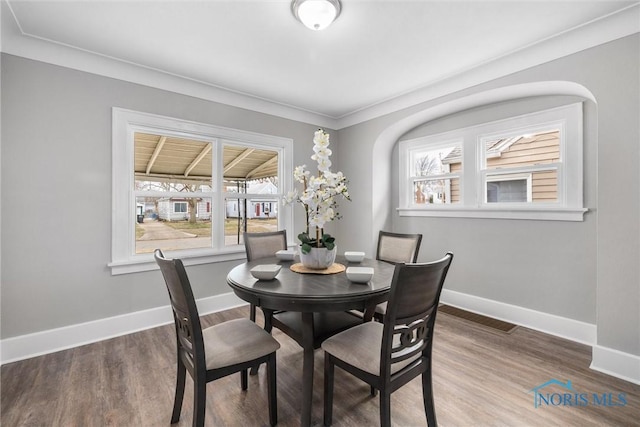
[385, 408]
[179, 395]
[329, 369]
[199, 402]
[252, 312]
[427, 397]
[244, 383]
[272, 393]
[252, 317]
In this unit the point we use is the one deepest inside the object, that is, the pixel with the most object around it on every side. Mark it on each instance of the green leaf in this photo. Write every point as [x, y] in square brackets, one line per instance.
[327, 238]
[305, 248]
[329, 245]
[304, 238]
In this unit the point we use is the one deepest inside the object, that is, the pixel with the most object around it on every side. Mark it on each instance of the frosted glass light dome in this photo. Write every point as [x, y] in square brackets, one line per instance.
[316, 14]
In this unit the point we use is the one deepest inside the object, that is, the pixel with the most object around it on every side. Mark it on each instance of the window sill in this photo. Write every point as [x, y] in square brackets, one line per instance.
[541, 214]
[146, 262]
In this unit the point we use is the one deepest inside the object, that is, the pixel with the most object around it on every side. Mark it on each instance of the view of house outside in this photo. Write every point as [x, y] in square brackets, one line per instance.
[176, 207]
[165, 222]
[517, 169]
[435, 179]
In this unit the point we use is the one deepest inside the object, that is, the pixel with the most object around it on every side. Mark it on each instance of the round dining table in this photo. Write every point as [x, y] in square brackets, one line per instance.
[311, 302]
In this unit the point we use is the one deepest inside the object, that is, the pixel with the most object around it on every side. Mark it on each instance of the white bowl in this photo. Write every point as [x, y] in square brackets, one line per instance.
[265, 271]
[352, 256]
[359, 274]
[286, 254]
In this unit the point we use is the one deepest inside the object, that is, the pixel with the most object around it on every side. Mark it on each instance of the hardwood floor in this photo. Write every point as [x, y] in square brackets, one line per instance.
[481, 378]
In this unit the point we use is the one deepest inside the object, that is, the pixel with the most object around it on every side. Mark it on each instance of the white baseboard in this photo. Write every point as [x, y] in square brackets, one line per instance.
[36, 344]
[570, 329]
[617, 363]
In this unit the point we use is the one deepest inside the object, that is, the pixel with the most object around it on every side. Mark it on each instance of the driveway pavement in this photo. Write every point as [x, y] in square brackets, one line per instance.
[157, 230]
[158, 235]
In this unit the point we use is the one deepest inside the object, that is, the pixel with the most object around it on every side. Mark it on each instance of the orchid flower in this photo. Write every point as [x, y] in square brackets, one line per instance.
[319, 193]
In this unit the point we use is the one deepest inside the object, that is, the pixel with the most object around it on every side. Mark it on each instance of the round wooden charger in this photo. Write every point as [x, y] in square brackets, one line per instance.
[333, 269]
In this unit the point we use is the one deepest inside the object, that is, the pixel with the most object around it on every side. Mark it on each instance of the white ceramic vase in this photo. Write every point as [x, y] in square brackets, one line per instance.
[319, 258]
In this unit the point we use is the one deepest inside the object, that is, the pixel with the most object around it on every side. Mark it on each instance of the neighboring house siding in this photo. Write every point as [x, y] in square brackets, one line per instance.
[545, 187]
[204, 210]
[166, 210]
[255, 209]
[455, 183]
[544, 148]
[163, 209]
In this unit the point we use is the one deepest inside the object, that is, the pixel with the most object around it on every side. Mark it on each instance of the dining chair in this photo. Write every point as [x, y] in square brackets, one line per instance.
[263, 245]
[396, 248]
[215, 352]
[390, 354]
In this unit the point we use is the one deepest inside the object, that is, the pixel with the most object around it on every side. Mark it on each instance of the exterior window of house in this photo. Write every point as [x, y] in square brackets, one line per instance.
[171, 186]
[252, 192]
[524, 167]
[433, 178]
[167, 170]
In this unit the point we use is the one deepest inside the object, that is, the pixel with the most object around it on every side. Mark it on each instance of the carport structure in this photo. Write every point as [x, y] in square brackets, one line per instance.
[171, 163]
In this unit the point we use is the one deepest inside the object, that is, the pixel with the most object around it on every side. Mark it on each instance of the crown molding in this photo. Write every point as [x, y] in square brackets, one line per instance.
[603, 30]
[608, 28]
[16, 42]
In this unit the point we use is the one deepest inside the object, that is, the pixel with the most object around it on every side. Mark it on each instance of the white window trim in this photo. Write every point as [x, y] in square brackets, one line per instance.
[125, 124]
[569, 206]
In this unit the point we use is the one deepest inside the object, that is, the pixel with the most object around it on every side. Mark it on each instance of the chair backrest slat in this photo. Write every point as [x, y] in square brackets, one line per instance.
[397, 247]
[185, 312]
[411, 311]
[262, 245]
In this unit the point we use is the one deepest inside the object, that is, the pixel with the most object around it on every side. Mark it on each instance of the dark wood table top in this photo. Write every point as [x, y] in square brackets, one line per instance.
[311, 292]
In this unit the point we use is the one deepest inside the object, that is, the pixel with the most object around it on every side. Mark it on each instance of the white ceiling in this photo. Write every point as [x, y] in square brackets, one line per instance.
[375, 53]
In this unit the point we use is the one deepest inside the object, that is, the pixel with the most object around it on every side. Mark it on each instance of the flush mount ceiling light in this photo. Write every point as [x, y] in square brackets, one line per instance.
[316, 14]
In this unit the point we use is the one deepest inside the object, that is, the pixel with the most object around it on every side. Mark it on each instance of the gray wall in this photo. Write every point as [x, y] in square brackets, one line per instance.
[56, 193]
[587, 271]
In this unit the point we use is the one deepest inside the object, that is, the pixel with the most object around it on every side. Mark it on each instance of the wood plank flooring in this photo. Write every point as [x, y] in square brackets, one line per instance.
[481, 378]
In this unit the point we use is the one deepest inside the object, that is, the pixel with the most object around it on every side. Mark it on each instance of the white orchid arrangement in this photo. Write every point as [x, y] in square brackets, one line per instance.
[318, 195]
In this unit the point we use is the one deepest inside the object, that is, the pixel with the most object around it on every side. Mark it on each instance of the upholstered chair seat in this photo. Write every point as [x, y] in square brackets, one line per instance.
[236, 341]
[360, 347]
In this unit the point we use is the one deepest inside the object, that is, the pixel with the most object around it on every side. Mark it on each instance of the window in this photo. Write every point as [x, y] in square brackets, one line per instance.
[435, 177]
[525, 167]
[180, 207]
[192, 189]
[508, 189]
